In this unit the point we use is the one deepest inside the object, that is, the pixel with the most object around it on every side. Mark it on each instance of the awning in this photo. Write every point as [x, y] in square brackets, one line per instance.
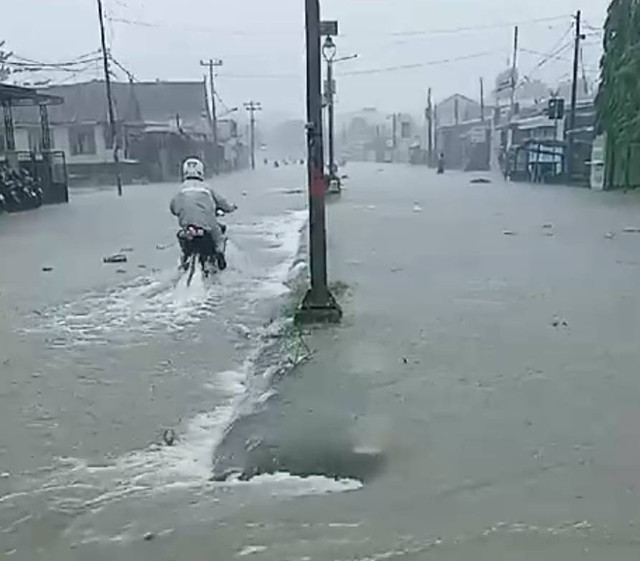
[26, 97]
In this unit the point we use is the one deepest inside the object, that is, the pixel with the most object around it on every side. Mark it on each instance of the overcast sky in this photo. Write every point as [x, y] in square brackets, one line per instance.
[262, 43]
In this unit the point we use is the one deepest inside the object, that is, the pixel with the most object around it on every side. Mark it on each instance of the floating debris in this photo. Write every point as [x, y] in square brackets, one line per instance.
[47, 269]
[509, 233]
[480, 180]
[609, 235]
[557, 322]
[117, 258]
[126, 250]
[547, 226]
[632, 230]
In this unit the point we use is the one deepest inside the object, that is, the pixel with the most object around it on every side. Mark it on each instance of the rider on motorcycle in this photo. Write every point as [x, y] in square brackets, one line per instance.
[196, 205]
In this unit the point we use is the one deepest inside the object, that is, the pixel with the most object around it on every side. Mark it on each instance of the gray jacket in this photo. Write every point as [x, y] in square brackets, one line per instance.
[196, 205]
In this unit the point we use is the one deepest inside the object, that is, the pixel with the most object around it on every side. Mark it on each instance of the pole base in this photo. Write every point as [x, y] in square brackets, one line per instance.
[314, 310]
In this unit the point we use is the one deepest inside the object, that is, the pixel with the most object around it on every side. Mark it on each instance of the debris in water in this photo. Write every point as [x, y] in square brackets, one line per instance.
[47, 269]
[509, 233]
[609, 235]
[549, 234]
[141, 266]
[480, 180]
[404, 360]
[557, 322]
[5, 475]
[149, 536]
[121, 271]
[169, 437]
[632, 230]
[126, 250]
[116, 258]
[547, 226]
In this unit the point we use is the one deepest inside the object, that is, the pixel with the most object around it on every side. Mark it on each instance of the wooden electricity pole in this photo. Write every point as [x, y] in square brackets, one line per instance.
[252, 107]
[110, 110]
[574, 99]
[211, 64]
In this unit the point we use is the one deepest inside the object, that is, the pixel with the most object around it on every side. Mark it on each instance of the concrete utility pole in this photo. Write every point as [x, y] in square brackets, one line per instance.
[110, 111]
[252, 107]
[318, 305]
[482, 100]
[430, 126]
[574, 98]
[514, 71]
[211, 64]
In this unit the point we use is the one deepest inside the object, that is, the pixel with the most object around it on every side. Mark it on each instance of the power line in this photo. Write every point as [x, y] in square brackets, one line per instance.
[418, 64]
[245, 32]
[28, 62]
[128, 73]
[547, 56]
[478, 27]
[261, 76]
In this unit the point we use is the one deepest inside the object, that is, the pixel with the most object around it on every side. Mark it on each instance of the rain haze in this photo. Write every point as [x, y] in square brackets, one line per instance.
[262, 44]
[373, 301]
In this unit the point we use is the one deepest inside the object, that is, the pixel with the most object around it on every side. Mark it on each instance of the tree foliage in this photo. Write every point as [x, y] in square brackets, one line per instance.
[4, 67]
[618, 100]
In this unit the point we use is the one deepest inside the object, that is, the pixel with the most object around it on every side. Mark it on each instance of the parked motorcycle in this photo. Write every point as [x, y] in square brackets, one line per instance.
[19, 191]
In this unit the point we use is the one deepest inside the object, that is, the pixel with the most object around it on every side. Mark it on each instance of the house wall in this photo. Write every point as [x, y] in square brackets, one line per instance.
[21, 136]
[61, 141]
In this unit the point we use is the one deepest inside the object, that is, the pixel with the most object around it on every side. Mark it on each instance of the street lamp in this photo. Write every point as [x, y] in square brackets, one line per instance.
[329, 49]
[228, 112]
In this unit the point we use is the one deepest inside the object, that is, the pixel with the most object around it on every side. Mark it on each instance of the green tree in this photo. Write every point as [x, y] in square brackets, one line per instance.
[618, 100]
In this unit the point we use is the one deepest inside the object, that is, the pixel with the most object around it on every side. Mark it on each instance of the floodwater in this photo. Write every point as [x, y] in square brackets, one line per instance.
[478, 402]
[99, 360]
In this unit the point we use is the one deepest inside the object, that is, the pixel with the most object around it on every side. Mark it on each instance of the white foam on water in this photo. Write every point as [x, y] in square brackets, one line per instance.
[164, 302]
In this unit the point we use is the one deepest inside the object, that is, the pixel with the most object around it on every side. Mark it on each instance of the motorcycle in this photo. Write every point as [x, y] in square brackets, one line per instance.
[196, 246]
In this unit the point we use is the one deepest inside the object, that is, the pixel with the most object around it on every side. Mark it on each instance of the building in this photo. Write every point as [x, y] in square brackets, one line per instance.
[158, 125]
[47, 166]
[462, 135]
[457, 109]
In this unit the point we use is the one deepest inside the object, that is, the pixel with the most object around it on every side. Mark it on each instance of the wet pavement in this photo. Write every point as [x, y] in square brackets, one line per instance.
[478, 402]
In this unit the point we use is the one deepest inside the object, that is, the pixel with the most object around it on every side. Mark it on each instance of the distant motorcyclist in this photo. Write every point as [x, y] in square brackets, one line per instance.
[196, 205]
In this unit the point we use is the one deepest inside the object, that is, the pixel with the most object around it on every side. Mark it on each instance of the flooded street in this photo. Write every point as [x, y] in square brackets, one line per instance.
[479, 400]
[99, 359]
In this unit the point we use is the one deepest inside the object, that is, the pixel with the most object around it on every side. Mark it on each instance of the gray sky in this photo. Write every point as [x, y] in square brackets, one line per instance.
[262, 43]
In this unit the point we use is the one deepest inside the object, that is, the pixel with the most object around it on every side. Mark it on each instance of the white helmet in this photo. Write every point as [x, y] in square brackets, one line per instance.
[193, 168]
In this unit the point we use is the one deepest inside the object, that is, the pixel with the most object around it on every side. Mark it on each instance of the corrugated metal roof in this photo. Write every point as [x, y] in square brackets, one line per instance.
[141, 101]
